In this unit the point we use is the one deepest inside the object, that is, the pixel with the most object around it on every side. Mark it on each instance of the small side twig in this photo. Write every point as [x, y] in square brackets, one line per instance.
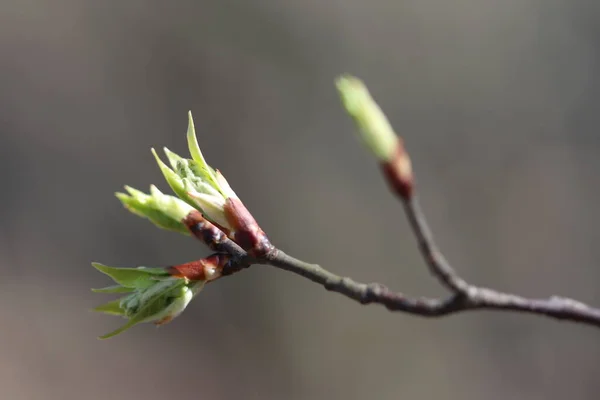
[435, 260]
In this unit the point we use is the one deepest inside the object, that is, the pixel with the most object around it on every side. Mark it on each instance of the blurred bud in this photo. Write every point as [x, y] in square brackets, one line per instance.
[377, 134]
[167, 212]
[374, 128]
[155, 295]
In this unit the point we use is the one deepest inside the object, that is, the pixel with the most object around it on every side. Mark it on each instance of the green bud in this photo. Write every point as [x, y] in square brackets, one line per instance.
[196, 182]
[165, 211]
[374, 128]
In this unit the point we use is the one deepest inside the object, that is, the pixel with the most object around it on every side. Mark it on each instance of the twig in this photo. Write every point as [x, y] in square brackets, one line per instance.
[469, 298]
[464, 296]
[396, 167]
[435, 260]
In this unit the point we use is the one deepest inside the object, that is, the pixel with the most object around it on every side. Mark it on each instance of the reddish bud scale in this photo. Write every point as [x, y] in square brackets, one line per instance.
[398, 172]
[206, 269]
[246, 231]
[204, 230]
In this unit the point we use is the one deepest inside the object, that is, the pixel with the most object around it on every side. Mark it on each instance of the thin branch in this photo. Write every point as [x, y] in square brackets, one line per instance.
[435, 260]
[469, 297]
[464, 296]
[396, 168]
[366, 293]
[472, 298]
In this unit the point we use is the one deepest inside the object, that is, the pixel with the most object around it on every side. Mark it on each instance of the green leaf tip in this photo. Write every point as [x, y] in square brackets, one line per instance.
[135, 278]
[112, 308]
[192, 141]
[352, 90]
[174, 159]
[374, 128]
[199, 164]
[164, 211]
[174, 181]
[122, 329]
[113, 289]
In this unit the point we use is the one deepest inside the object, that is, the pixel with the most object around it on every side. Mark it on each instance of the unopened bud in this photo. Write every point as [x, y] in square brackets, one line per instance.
[377, 134]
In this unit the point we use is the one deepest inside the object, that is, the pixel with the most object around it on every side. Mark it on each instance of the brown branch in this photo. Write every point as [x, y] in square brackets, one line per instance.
[469, 298]
[435, 260]
[464, 296]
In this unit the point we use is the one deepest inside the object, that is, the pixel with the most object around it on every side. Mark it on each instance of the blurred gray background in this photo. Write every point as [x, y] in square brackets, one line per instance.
[498, 104]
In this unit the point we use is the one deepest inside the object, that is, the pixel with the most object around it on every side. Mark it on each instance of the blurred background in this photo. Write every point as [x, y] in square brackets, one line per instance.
[497, 102]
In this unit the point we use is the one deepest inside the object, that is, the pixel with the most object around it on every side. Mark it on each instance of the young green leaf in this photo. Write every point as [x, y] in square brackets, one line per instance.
[174, 181]
[112, 307]
[138, 278]
[166, 212]
[167, 298]
[113, 289]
